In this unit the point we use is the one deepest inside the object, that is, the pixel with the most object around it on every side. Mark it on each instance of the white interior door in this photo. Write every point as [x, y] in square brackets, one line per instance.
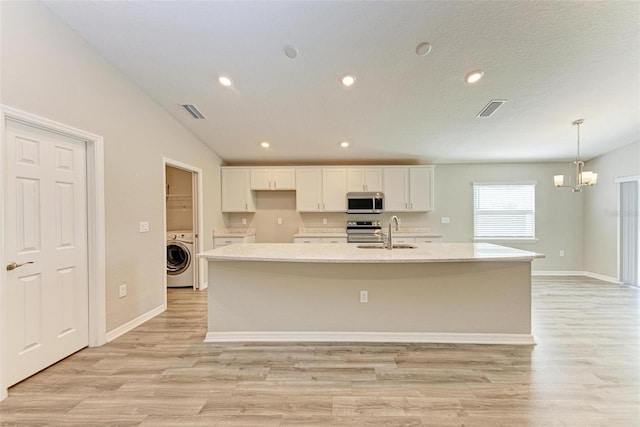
[46, 305]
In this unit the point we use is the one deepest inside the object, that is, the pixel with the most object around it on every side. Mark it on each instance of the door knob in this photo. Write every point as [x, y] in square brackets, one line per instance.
[14, 265]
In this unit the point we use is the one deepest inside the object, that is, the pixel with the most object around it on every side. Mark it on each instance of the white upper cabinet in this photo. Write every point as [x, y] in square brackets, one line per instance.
[334, 190]
[408, 189]
[273, 179]
[421, 189]
[364, 179]
[324, 189]
[396, 189]
[321, 190]
[308, 189]
[236, 195]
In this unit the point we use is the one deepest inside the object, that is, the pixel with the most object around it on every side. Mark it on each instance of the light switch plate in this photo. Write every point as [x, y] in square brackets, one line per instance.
[444, 220]
[144, 226]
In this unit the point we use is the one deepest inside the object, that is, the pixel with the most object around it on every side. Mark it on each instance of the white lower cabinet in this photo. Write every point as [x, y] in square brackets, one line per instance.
[416, 239]
[219, 242]
[428, 239]
[403, 239]
[319, 240]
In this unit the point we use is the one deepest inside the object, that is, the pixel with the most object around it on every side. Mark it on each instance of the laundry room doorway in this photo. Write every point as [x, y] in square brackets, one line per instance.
[183, 222]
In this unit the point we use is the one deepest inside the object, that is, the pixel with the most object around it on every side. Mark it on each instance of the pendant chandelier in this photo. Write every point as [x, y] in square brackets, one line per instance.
[582, 177]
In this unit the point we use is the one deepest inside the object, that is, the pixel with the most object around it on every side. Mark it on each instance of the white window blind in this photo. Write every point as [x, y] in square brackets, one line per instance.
[504, 210]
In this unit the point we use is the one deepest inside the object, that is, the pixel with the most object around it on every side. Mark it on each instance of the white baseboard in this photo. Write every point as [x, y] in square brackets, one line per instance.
[577, 273]
[602, 277]
[121, 330]
[557, 273]
[396, 337]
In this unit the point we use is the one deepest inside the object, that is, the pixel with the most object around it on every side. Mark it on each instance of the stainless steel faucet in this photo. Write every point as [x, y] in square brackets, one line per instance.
[389, 238]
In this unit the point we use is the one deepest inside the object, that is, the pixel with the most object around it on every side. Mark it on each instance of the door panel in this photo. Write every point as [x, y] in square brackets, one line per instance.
[46, 229]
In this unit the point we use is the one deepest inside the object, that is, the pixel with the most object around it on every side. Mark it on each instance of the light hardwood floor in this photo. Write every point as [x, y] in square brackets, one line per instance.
[585, 371]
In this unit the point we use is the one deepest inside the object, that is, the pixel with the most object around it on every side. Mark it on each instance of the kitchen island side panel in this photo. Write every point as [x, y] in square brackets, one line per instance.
[463, 298]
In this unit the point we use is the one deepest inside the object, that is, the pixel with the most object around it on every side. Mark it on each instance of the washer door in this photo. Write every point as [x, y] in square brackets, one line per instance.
[178, 258]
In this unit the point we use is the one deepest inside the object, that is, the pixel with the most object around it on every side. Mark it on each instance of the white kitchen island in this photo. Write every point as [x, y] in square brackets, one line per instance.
[436, 292]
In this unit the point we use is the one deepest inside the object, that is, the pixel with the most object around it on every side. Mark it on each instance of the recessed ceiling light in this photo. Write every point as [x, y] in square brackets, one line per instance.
[344, 144]
[348, 80]
[224, 81]
[473, 76]
[290, 51]
[423, 49]
[265, 144]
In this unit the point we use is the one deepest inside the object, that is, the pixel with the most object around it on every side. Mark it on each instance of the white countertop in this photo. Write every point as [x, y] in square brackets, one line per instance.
[350, 253]
[235, 232]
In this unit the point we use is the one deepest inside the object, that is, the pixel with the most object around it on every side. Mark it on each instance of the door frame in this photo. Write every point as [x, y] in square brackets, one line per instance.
[95, 224]
[198, 224]
[620, 180]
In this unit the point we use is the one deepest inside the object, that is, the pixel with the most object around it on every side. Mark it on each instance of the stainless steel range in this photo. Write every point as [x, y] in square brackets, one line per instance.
[364, 232]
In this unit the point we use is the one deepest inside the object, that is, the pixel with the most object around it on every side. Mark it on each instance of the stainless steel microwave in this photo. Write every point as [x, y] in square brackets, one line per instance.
[365, 203]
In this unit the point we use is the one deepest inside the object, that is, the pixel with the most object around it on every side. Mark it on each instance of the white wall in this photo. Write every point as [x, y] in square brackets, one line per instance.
[601, 208]
[48, 70]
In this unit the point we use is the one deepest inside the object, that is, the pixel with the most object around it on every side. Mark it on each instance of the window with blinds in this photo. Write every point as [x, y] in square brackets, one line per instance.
[504, 211]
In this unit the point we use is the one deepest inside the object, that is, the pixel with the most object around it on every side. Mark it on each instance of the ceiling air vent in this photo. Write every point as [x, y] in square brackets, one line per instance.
[193, 111]
[491, 107]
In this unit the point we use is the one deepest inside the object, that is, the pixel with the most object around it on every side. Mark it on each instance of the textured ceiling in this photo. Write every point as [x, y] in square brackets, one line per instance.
[554, 61]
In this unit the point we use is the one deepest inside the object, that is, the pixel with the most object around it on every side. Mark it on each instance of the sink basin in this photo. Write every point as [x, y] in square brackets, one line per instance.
[396, 246]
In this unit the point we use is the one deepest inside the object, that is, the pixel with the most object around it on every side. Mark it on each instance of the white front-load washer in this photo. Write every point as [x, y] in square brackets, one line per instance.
[180, 259]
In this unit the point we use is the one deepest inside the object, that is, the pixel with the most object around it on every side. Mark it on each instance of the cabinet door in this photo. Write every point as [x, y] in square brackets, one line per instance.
[396, 189]
[364, 179]
[428, 240]
[404, 240]
[421, 189]
[373, 179]
[334, 190]
[219, 242]
[355, 179]
[261, 179]
[308, 189]
[334, 240]
[284, 179]
[307, 240]
[236, 196]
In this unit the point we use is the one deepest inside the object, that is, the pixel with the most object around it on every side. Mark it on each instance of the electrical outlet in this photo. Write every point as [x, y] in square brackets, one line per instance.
[324, 221]
[279, 221]
[444, 220]
[364, 296]
[144, 226]
[122, 291]
[244, 221]
[561, 253]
